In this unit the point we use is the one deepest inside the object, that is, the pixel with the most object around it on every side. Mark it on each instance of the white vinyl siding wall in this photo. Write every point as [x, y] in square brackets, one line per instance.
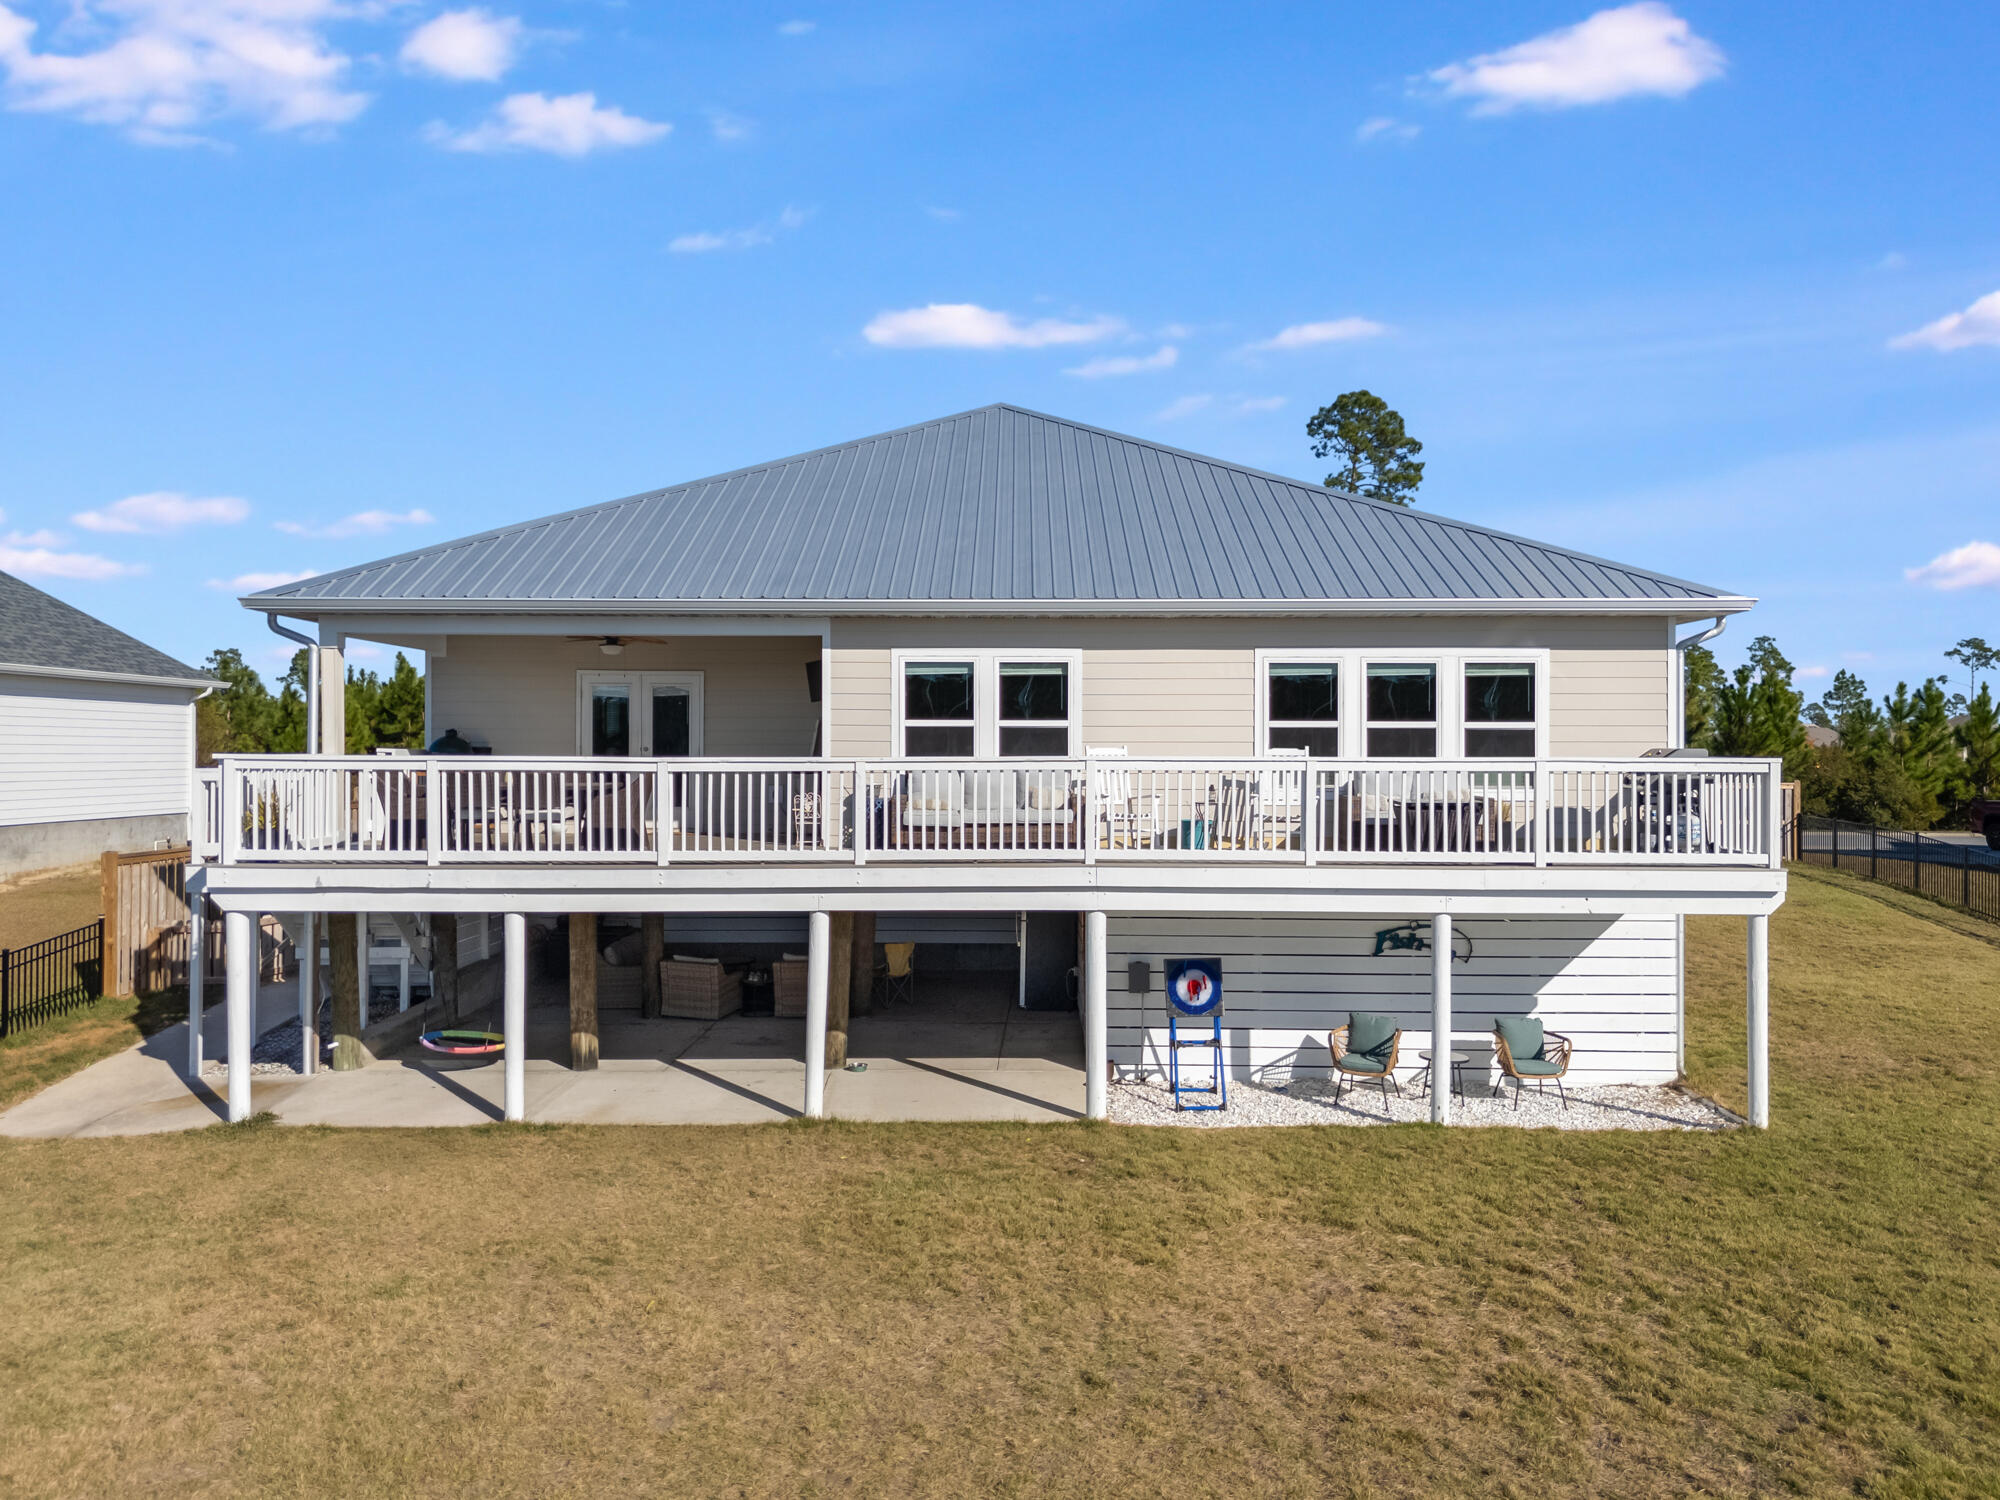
[518, 694]
[1608, 983]
[76, 750]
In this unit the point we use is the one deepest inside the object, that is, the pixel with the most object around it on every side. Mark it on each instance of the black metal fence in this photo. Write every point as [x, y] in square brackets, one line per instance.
[51, 978]
[1955, 871]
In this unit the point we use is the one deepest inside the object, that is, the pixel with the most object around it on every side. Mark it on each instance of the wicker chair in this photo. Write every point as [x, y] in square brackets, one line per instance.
[1366, 1047]
[1525, 1051]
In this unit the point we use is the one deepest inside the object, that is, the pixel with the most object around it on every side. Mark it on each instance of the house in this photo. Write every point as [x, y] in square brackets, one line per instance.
[1002, 679]
[96, 736]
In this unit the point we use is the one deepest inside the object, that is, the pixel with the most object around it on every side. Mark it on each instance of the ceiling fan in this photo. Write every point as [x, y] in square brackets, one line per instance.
[611, 645]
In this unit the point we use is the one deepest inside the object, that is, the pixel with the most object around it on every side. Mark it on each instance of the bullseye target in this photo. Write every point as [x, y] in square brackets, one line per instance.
[1194, 985]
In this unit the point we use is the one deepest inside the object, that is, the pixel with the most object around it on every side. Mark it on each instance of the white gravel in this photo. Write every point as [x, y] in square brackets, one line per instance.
[275, 1053]
[1309, 1101]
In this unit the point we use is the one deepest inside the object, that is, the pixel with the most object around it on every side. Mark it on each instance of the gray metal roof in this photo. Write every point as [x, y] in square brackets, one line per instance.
[999, 507]
[46, 637]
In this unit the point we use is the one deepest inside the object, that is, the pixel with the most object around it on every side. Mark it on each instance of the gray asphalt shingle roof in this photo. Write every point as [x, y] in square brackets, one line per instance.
[38, 630]
[996, 505]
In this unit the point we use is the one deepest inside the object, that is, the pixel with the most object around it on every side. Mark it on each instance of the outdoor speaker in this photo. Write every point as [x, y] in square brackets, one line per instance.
[1139, 977]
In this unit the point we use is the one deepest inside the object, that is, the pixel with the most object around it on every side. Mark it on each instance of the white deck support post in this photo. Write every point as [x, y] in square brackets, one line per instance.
[1096, 1048]
[197, 961]
[1441, 1018]
[1759, 976]
[514, 1013]
[308, 956]
[239, 938]
[819, 948]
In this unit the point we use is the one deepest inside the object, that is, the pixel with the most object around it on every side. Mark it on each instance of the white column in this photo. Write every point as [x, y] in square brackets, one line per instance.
[332, 693]
[514, 1012]
[1096, 1038]
[819, 944]
[196, 995]
[308, 953]
[1760, 1021]
[1441, 1019]
[239, 947]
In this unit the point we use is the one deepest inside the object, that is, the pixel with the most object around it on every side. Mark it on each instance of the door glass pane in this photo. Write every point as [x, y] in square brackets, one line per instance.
[1304, 692]
[1402, 741]
[937, 691]
[1500, 694]
[1034, 691]
[672, 732]
[1401, 693]
[611, 719]
[937, 739]
[1303, 737]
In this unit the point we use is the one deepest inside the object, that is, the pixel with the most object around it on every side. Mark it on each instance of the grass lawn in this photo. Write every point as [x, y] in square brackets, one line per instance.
[833, 1309]
[44, 905]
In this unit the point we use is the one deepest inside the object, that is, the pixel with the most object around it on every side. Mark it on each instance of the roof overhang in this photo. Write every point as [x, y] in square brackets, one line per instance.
[1679, 609]
[81, 674]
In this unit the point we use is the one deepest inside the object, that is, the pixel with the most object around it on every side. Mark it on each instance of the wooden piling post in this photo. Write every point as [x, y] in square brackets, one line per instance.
[444, 965]
[343, 945]
[839, 987]
[653, 929]
[861, 994]
[583, 991]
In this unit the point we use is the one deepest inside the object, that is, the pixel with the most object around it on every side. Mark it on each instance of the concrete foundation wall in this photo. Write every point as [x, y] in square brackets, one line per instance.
[26, 847]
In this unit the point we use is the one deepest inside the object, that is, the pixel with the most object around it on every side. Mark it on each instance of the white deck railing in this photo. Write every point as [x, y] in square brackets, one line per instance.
[458, 810]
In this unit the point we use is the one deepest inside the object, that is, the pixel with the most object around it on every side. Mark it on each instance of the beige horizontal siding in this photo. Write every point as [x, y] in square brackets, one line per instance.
[861, 708]
[1610, 701]
[518, 694]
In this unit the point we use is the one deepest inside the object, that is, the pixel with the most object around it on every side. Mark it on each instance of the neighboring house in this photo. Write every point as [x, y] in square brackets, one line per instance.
[96, 735]
[1821, 737]
[990, 674]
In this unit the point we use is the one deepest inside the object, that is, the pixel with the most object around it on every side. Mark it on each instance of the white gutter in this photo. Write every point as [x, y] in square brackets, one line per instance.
[21, 669]
[312, 679]
[1709, 634]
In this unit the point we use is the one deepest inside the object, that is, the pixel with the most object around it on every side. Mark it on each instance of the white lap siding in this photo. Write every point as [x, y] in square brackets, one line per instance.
[74, 750]
[1608, 983]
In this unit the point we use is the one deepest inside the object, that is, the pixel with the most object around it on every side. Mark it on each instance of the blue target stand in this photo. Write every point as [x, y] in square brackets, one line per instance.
[1194, 1020]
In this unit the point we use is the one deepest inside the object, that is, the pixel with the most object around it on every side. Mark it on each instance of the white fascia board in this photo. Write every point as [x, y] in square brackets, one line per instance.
[1392, 890]
[80, 674]
[417, 628]
[402, 610]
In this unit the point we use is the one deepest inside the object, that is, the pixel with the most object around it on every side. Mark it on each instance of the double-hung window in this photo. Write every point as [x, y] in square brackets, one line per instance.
[940, 709]
[1302, 707]
[1402, 709]
[1034, 708]
[1500, 709]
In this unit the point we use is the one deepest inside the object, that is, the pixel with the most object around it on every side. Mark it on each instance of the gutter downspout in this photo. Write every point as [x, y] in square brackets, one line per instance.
[312, 678]
[1680, 674]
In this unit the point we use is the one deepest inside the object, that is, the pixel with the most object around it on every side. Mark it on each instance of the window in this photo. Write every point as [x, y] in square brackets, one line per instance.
[1402, 709]
[1303, 707]
[938, 716]
[1500, 709]
[1034, 708]
[611, 719]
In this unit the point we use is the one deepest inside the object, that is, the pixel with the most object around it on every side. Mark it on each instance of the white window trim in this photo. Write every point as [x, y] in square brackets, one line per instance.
[1450, 666]
[641, 685]
[986, 692]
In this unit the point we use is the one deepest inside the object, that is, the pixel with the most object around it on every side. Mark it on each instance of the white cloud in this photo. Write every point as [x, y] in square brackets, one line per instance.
[1975, 565]
[1811, 672]
[1978, 324]
[797, 28]
[966, 325]
[42, 537]
[1247, 404]
[945, 215]
[1127, 364]
[1185, 406]
[1614, 54]
[1338, 330]
[728, 127]
[567, 125]
[163, 510]
[29, 557]
[1386, 128]
[166, 67]
[467, 45]
[361, 523]
[704, 241]
[250, 583]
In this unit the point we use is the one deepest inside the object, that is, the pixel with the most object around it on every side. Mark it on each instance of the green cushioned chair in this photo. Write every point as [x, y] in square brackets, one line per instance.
[1366, 1047]
[1526, 1051]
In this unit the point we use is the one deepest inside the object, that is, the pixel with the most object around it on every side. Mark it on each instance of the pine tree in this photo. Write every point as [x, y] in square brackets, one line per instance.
[400, 713]
[1702, 681]
[1979, 740]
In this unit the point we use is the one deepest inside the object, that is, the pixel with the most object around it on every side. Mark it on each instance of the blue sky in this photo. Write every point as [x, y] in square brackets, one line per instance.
[288, 284]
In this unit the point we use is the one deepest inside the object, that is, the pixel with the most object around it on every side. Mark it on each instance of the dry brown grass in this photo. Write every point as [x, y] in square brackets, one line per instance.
[1064, 1310]
[46, 904]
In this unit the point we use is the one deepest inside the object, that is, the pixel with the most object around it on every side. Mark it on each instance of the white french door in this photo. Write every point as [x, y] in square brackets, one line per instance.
[638, 713]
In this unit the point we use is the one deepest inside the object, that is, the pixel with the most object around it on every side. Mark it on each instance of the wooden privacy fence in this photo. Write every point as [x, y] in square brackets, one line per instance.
[146, 922]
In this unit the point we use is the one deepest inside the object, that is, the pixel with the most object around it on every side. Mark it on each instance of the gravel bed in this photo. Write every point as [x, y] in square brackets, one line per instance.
[1309, 1101]
[276, 1052]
